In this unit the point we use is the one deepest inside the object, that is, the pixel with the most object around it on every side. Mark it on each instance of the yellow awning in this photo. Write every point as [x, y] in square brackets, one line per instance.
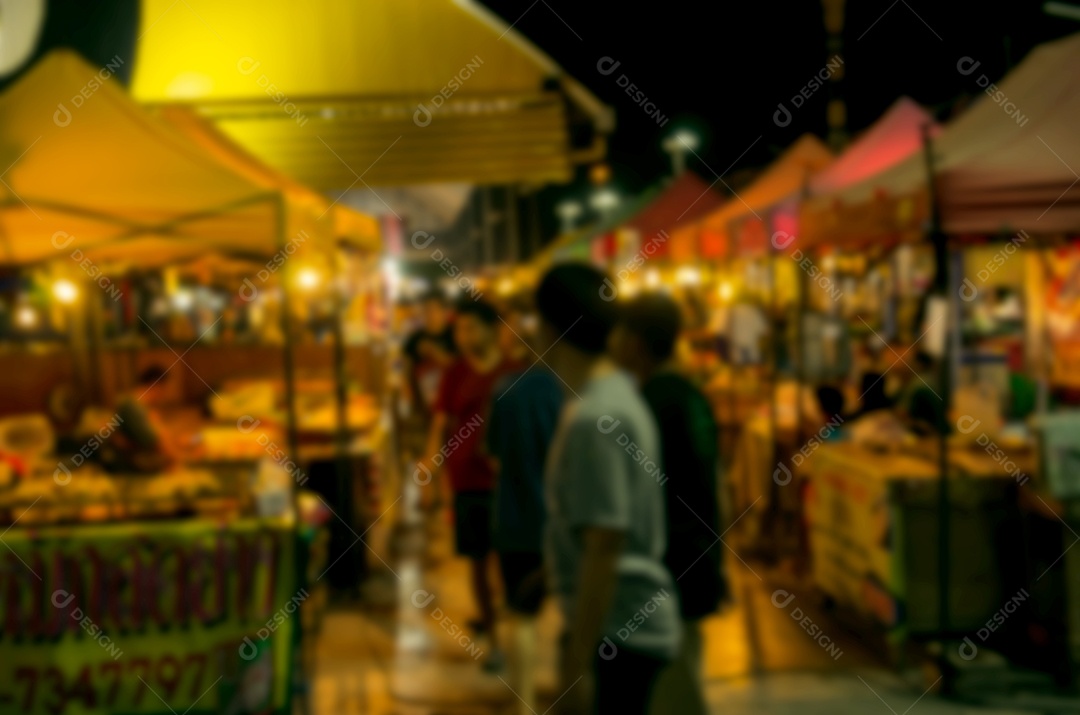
[373, 92]
[307, 210]
[96, 174]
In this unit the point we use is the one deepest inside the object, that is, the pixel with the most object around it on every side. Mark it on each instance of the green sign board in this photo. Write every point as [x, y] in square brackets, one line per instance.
[140, 618]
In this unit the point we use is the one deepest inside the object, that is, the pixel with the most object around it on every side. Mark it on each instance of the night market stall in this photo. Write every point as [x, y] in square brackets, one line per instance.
[128, 557]
[1001, 208]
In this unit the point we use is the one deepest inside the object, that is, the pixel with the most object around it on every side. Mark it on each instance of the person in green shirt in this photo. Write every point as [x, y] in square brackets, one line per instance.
[643, 343]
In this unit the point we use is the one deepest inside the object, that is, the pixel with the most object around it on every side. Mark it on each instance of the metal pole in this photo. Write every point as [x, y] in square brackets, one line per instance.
[289, 355]
[486, 226]
[943, 286]
[512, 233]
[774, 372]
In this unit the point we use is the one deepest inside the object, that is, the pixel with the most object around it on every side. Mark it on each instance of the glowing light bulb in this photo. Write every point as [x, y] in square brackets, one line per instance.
[26, 316]
[688, 275]
[183, 300]
[65, 291]
[307, 278]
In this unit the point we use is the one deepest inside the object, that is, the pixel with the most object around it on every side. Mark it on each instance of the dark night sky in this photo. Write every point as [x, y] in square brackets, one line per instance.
[723, 67]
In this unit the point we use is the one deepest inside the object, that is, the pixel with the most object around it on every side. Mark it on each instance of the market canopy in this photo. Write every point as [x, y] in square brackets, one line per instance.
[686, 199]
[373, 93]
[895, 136]
[999, 167]
[307, 210]
[91, 171]
[785, 178]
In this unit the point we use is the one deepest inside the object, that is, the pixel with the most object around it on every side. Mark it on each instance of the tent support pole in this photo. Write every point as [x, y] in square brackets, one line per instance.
[774, 380]
[342, 472]
[943, 284]
[289, 354]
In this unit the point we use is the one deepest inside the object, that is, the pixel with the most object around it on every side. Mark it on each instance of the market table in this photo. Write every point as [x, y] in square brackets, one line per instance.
[872, 519]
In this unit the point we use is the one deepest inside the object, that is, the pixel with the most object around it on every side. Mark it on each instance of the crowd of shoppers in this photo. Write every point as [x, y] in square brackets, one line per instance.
[578, 456]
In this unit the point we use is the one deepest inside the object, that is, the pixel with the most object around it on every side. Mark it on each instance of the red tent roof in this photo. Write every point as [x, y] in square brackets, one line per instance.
[683, 201]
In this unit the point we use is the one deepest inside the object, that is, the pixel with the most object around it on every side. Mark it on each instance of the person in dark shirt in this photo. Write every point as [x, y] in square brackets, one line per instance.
[644, 344]
[428, 351]
[138, 444]
[524, 412]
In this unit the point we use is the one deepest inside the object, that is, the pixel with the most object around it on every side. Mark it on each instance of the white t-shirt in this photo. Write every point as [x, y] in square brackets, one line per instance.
[603, 470]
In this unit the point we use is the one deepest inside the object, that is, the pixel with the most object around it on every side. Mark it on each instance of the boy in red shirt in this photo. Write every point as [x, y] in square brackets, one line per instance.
[456, 442]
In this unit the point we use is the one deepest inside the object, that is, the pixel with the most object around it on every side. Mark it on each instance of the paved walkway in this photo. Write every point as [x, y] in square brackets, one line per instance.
[407, 651]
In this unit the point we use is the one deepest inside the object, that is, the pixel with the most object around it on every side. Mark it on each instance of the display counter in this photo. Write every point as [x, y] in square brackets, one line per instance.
[872, 520]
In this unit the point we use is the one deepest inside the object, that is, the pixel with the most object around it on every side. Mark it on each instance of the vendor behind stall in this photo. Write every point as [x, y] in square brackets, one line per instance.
[920, 401]
[140, 443]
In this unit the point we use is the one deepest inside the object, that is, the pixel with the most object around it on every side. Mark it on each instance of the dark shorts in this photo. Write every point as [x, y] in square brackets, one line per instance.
[523, 580]
[472, 523]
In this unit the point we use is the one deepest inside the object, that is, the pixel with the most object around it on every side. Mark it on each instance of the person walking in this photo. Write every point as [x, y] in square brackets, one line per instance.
[605, 535]
[644, 344]
[524, 410]
[460, 414]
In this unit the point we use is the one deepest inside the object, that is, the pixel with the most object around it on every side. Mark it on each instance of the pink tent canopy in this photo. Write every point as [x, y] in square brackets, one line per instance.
[1010, 162]
[895, 136]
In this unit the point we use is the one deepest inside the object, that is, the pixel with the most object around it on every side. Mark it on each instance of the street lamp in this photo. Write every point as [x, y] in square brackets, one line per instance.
[604, 201]
[568, 211]
[678, 145]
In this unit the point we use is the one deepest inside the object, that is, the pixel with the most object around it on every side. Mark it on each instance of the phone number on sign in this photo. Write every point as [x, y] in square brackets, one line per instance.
[109, 685]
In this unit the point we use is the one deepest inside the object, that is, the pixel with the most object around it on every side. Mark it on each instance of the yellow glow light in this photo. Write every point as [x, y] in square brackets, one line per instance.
[652, 278]
[726, 291]
[183, 300]
[308, 278]
[505, 286]
[26, 316]
[688, 275]
[65, 291]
